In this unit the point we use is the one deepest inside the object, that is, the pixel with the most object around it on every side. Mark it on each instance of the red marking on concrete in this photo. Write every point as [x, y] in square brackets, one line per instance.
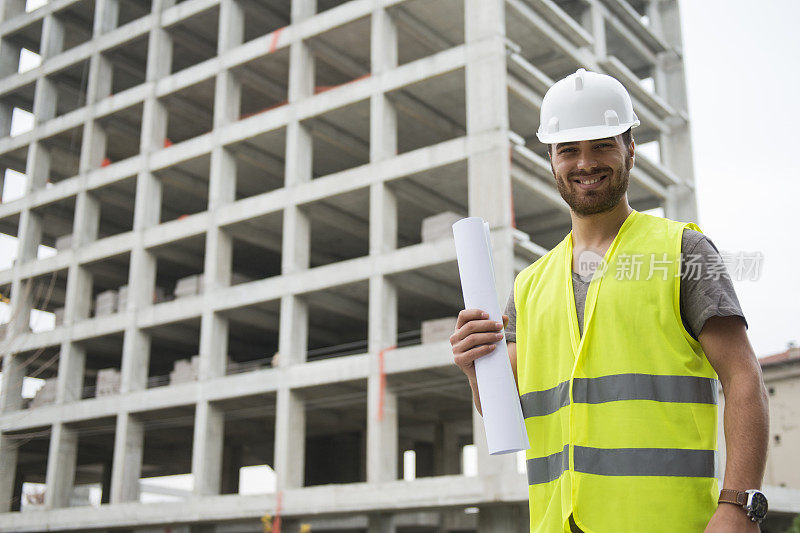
[382, 373]
[273, 43]
[276, 524]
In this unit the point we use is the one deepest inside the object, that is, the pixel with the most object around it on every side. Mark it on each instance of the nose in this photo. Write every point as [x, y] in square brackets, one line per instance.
[586, 160]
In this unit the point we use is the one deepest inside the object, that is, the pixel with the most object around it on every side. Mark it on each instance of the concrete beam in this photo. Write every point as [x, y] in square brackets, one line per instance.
[335, 217]
[338, 499]
[340, 305]
[421, 31]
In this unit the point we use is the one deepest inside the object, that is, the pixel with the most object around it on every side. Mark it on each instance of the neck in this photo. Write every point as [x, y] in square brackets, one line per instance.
[598, 230]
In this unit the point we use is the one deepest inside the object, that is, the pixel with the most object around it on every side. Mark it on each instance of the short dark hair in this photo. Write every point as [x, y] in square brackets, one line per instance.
[627, 137]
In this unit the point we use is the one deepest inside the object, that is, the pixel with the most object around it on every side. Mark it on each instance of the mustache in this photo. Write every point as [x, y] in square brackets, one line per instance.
[584, 174]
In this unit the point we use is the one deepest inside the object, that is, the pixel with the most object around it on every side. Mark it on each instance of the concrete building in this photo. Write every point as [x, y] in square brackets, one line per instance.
[781, 373]
[782, 378]
[228, 180]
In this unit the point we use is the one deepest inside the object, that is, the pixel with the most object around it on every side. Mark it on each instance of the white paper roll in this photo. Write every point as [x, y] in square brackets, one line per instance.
[502, 412]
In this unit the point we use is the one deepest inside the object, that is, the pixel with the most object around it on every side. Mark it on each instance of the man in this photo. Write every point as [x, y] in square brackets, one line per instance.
[617, 362]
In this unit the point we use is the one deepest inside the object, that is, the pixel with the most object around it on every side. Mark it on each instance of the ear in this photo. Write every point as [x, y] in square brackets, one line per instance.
[632, 154]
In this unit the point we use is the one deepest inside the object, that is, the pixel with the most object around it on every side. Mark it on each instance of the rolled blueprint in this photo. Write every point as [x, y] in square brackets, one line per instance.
[502, 412]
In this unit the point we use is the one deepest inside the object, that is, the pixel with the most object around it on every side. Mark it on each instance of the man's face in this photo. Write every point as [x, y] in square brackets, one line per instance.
[576, 165]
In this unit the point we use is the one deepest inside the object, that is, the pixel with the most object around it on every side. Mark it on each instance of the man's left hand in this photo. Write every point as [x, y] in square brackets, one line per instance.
[731, 519]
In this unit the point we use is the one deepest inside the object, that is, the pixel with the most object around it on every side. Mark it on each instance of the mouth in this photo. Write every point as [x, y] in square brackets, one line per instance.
[590, 182]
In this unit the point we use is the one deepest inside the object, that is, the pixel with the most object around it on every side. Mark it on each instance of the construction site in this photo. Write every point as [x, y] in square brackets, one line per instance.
[238, 214]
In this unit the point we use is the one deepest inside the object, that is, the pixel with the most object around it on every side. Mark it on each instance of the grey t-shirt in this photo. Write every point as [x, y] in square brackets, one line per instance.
[701, 295]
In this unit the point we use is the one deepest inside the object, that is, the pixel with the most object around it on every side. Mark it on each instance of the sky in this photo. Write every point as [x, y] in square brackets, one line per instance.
[741, 61]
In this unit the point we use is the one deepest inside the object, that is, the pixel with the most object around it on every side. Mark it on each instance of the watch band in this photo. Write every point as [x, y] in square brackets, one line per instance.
[736, 497]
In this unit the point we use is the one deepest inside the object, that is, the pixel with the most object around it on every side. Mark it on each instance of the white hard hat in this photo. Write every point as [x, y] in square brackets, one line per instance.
[584, 106]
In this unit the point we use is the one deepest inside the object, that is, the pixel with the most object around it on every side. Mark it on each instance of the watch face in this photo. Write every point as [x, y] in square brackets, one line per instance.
[758, 505]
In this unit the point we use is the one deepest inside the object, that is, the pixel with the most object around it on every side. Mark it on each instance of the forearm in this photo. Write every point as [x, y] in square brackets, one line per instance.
[476, 398]
[746, 419]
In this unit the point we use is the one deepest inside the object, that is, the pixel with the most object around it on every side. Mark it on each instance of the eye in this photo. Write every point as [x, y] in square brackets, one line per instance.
[565, 150]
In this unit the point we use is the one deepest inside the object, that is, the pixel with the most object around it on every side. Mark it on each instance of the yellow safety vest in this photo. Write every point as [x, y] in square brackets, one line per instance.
[622, 422]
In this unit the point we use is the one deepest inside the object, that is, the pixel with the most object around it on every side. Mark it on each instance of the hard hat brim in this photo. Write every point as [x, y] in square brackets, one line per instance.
[584, 134]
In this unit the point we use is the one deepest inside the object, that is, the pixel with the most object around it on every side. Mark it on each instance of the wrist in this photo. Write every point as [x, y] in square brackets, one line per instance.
[733, 514]
[750, 504]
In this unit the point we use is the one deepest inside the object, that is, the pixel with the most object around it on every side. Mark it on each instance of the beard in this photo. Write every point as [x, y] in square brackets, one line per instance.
[596, 201]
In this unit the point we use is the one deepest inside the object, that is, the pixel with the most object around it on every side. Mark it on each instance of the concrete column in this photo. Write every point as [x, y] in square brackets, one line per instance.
[9, 64]
[594, 22]
[293, 336]
[141, 284]
[78, 302]
[11, 8]
[78, 299]
[228, 89]
[209, 432]
[218, 265]
[12, 378]
[296, 240]
[71, 366]
[451, 451]
[381, 523]
[489, 179]
[9, 52]
[445, 449]
[147, 213]
[37, 163]
[86, 224]
[135, 360]
[61, 461]
[222, 191]
[301, 64]
[213, 345]
[382, 434]
[670, 84]
[52, 42]
[498, 519]
[106, 16]
[93, 149]
[44, 103]
[127, 463]
[290, 439]
[21, 304]
[488, 167]
[8, 470]
[680, 203]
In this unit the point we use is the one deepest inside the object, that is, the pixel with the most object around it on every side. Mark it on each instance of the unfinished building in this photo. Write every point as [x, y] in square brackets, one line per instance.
[248, 206]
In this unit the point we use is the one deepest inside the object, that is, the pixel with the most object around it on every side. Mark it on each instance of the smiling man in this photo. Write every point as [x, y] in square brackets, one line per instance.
[618, 347]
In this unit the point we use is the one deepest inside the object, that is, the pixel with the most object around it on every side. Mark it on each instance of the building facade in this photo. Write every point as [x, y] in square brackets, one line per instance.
[247, 205]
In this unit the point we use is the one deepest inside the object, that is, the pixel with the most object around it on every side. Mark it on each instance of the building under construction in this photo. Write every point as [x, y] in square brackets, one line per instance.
[238, 212]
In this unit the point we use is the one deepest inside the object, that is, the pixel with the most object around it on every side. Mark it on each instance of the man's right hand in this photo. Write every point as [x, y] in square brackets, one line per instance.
[475, 336]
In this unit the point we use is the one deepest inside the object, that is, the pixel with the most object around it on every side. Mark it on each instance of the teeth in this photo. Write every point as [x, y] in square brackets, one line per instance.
[589, 182]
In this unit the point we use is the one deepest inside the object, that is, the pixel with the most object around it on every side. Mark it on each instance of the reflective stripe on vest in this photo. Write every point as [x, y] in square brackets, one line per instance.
[688, 389]
[623, 462]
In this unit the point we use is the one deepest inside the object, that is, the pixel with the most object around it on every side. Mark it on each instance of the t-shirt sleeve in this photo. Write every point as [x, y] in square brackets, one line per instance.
[706, 288]
[511, 311]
